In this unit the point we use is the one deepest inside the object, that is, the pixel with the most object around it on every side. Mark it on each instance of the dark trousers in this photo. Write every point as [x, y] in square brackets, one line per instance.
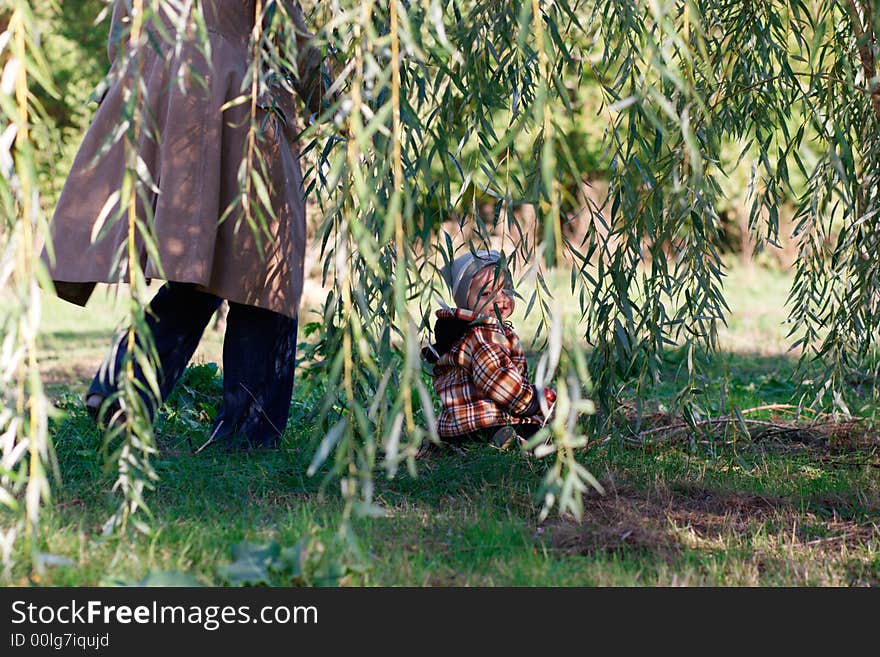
[259, 348]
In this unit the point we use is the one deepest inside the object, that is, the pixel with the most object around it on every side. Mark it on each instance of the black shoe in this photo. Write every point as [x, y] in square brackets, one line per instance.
[102, 414]
[93, 403]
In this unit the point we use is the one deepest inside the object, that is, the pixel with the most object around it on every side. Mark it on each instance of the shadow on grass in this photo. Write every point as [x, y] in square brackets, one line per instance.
[667, 520]
[74, 338]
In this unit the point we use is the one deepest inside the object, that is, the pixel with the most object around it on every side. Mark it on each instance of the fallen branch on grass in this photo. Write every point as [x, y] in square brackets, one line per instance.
[768, 428]
[671, 430]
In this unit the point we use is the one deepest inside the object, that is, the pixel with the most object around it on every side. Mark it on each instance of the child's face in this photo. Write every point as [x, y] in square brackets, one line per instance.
[486, 293]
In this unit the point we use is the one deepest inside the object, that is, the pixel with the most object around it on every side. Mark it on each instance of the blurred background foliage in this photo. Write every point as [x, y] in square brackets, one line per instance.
[76, 45]
[77, 48]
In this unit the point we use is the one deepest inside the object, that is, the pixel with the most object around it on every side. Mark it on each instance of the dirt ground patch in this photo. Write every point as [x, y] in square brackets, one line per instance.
[665, 521]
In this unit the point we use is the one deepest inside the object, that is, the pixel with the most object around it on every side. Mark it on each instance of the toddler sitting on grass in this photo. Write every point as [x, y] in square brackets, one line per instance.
[480, 371]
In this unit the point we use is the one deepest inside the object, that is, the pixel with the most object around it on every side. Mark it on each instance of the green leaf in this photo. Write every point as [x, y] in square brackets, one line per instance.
[251, 564]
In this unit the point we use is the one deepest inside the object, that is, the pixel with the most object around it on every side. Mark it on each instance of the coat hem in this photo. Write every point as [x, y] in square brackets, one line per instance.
[79, 293]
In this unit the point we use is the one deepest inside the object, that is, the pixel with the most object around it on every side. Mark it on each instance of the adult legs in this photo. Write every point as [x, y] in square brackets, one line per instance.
[259, 351]
[177, 317]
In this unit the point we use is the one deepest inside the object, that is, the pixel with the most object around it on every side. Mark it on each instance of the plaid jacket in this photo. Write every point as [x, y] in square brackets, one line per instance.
[480, 374]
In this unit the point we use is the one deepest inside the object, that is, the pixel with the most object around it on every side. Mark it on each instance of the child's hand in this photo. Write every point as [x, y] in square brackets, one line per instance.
[550, 396]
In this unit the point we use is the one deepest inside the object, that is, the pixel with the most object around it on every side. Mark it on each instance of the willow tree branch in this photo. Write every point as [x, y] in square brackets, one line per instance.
[865, 40]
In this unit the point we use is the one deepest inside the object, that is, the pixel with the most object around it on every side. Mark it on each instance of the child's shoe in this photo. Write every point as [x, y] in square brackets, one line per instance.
[428, 449]
[505, 437]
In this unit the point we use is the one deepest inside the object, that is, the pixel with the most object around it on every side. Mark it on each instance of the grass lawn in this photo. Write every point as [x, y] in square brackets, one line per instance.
[782, 508]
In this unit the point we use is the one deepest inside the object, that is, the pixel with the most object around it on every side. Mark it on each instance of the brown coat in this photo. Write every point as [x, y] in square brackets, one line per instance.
[193, 152]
